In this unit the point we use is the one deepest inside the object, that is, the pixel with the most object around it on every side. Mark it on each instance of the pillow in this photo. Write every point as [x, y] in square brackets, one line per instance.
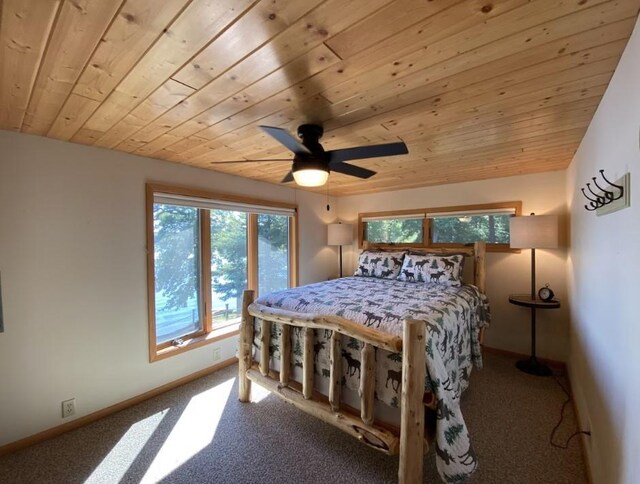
[384, 265]
[434, 268]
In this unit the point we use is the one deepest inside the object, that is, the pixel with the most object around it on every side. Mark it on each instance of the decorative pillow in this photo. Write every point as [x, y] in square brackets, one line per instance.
[384, 265]
[434, 268]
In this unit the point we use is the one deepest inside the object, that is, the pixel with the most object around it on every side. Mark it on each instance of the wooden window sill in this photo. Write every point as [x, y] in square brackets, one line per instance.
[217, 334]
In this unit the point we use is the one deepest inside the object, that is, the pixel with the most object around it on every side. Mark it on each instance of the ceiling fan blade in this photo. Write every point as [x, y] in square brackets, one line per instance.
[361, 152]
[288, 178]
[250, 161]
[285, 138]
[352, 170]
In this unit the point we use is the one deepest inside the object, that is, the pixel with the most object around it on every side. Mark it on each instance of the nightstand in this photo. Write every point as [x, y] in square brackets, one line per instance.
[532, 366]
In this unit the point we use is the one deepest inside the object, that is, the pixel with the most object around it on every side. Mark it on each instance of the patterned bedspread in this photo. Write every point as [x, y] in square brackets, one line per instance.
[453, 315]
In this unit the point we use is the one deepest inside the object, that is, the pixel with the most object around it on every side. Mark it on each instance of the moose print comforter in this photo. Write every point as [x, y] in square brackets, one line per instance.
[453, 315]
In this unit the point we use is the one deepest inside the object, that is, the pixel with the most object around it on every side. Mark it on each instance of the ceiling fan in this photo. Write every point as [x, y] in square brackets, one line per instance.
[312, 164]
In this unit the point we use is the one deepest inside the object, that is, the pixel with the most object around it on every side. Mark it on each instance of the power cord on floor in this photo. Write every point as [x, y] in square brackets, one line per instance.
[555, 429]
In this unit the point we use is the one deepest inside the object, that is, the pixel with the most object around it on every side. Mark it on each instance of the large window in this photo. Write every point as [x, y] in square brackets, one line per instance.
[441, 226]
[205, 250]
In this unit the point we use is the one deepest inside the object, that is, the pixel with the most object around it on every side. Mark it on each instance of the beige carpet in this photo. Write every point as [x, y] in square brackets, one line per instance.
[200, 433]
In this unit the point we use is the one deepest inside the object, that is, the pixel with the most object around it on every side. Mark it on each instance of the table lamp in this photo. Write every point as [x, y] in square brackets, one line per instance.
[340, 234]
[533, 232]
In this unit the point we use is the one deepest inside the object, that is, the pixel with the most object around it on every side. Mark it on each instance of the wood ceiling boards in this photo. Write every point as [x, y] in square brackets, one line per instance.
[477, 89]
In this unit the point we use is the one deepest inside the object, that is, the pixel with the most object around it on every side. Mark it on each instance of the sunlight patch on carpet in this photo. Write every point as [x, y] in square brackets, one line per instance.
[116, 463]
[193, 431]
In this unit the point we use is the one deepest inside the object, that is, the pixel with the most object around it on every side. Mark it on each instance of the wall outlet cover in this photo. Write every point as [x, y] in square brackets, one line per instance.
[68, 408]
[216, 354]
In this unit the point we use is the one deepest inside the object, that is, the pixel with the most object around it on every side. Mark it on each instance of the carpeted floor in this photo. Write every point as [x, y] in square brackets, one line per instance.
[200, 433]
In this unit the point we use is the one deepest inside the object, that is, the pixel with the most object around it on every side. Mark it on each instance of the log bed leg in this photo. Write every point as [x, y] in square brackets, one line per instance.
[245, 353]
[412, 417]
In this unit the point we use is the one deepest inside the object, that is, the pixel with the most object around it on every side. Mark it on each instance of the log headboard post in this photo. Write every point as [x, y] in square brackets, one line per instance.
[479, 251]
[245, 353]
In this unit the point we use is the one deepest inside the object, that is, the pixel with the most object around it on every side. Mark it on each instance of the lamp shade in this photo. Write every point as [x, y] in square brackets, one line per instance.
[340, 234]
[534, 232]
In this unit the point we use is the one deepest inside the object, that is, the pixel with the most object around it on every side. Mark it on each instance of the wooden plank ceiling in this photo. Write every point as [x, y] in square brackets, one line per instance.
[476, 88]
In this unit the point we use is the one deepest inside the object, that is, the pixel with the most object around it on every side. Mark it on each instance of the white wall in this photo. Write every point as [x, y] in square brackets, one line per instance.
[603, 271]
[506, 273]
[73, 264]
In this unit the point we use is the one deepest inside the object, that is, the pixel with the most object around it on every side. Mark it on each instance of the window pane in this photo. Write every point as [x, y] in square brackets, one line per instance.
[493, 229]
[394, 231]
[228, 264]
[176, 233]
[273, 253]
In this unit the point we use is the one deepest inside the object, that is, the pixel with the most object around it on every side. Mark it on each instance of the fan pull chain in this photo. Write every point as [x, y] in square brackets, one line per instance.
[328, 206]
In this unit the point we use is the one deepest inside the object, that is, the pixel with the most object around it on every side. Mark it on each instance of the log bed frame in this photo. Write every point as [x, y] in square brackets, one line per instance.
[408, 441]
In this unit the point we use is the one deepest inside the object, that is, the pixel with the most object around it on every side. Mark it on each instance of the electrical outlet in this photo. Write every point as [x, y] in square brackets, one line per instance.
[216, 354]
[68, 408]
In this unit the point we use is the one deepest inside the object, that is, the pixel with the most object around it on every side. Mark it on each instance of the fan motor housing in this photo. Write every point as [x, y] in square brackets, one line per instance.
[310, 135]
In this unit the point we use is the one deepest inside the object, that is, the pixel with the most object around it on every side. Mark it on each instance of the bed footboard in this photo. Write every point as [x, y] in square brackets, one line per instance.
[408, 442]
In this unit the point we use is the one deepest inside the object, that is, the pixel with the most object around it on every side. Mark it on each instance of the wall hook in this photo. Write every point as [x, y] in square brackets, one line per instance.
[607, 195]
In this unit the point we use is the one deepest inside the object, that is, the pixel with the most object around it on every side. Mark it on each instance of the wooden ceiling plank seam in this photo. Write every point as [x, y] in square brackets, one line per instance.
[423, 36]
[369, 5]
[193, 72]
[67, 54]
[447, 168]
[526, 99]
[161, 124]
[110, 52]
[498, 123]
[421, 175]
[384, 24]
[447, 146]
[43, 55]
[200, 122]
[536, 33]
[511, 122]
[257, 48]
[501, 67]
[158, 23]
[183, 39]
[201, 132]
[166, 95]
[18, 76]
[212, 86]
[447, 79]
[424, 110]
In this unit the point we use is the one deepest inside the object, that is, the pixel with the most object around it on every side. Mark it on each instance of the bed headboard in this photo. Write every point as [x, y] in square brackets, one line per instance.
[477, 251]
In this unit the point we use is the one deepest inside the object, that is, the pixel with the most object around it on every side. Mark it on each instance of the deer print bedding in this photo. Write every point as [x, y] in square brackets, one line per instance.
[453, 315]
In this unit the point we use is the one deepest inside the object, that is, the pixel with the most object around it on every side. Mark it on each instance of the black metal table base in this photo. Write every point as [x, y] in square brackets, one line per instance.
[533, 367]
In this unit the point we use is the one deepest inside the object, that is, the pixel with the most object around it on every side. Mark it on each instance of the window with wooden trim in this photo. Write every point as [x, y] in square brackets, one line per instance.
[205, 249]
[440, 226]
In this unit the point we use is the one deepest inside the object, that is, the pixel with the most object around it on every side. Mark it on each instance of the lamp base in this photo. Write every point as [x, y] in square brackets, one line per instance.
[533, 367]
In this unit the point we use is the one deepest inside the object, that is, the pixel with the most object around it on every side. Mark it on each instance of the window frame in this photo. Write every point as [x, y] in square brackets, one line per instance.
[427, 225]
[208, 334]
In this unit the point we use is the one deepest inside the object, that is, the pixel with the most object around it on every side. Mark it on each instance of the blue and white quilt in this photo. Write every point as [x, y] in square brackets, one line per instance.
[453, 316]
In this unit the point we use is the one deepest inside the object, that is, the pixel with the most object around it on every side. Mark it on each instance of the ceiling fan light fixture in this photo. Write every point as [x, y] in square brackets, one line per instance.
[311, 177]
